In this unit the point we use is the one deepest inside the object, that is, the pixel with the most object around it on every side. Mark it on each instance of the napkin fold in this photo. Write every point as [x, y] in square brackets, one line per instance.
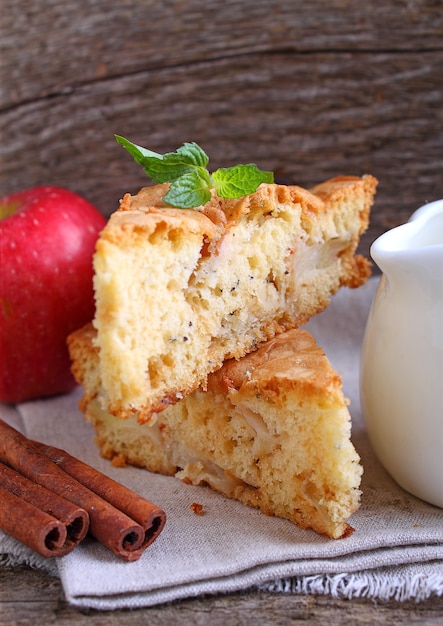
[395, 552]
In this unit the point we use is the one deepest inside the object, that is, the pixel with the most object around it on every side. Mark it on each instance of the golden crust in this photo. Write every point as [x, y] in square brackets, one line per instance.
[225, 213]
[142, 223]
[290, 359]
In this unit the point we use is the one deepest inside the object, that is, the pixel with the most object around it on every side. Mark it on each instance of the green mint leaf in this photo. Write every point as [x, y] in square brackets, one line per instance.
[190, 157]
[137, 152]
[190, 190]
[164, 168]
[240, 180]
[191, 153]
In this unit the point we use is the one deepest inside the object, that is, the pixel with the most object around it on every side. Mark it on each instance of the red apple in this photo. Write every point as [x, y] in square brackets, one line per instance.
[47, 239]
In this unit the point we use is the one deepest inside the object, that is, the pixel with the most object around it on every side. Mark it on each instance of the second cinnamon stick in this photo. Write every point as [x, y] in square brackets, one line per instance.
[151, 517]
[31, 526]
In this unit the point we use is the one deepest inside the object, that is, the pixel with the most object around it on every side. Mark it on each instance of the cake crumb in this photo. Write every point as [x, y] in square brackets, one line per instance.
[197, 508]
[118, 461]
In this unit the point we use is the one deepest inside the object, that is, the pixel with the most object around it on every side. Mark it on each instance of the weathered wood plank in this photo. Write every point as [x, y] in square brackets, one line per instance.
[32, 597]
[47, 46]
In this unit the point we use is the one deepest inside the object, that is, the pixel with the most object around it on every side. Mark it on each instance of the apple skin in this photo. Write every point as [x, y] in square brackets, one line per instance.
[47, 240]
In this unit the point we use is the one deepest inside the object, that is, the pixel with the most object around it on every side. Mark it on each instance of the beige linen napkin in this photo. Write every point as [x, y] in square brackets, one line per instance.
[395, 552]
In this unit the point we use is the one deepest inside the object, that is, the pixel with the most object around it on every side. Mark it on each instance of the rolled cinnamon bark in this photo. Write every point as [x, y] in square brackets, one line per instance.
[34, 528]
[110, 526]
[151, 517]
[74, 519]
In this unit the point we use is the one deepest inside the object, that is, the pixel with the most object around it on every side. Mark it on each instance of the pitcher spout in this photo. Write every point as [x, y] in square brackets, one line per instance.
[414, 246]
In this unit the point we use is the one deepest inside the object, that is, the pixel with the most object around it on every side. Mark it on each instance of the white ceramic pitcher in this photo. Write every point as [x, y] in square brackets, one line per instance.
[402, 355]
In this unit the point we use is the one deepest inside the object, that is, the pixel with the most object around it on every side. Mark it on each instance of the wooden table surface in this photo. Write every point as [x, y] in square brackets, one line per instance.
[30, 597]
[309, 90]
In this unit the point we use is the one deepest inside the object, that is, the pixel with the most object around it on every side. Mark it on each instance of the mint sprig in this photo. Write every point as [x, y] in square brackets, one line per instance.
[191, 181]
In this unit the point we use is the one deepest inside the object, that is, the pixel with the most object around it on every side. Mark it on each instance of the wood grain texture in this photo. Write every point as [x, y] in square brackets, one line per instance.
[51, 47]
[309, 90]
[31, 597]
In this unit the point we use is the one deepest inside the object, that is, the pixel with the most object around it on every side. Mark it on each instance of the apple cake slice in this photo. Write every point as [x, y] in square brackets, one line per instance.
[179, 291]
[272, 430]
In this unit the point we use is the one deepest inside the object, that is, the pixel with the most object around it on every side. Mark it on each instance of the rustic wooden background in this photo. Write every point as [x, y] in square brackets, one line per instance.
[309, 90]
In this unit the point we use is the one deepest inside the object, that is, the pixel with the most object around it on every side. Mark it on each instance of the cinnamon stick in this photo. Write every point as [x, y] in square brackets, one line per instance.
[151, 518]
[109, 525]
[36, 529]
[74, 519]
